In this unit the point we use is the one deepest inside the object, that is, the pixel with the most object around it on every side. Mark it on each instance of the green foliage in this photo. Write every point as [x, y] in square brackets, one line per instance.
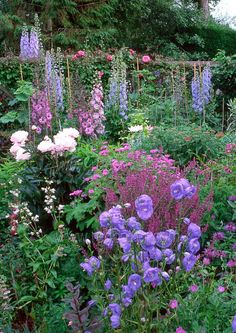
[183, 143]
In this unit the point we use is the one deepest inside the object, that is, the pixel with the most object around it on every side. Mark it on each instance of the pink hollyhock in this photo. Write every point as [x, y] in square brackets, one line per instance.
[109, 57]
[146, 59]
[180, 330]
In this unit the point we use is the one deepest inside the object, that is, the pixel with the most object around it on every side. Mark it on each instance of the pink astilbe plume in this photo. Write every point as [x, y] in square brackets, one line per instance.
[155, 180]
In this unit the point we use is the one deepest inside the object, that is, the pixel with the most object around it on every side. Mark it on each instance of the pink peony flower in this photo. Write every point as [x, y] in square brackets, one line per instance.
[180, 330]
[46, 146]
[19, 138]
[22, 155]
[173, 304]
[71, 132]
[146, 59]
[109, 57]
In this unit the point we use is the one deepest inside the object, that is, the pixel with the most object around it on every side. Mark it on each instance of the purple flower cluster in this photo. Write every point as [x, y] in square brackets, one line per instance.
[201, 90]
[91, 122]
[182, 189]
[148, 254]
[41, 115]
[29, 45]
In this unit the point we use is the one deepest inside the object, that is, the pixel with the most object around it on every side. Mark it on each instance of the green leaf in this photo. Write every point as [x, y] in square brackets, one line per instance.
[51, 283]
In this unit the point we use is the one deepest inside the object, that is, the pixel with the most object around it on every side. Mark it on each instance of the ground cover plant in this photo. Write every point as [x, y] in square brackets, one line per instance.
[117, 186]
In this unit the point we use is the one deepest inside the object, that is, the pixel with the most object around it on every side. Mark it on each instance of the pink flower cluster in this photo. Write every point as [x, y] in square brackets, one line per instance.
[41, 115]
[63, 141]
[230, 148]
[18, 150]
[91, 122]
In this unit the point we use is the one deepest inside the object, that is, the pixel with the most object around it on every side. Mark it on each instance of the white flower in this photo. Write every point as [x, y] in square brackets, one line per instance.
[19, 137]
[14, 149]
[34, 128]
[64, 143]
[71, 132]
[137, 128]
[22, 155]
[46, 146]
[88, 241]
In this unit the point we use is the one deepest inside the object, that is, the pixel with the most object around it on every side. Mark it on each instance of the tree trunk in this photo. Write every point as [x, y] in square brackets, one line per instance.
[204, 5]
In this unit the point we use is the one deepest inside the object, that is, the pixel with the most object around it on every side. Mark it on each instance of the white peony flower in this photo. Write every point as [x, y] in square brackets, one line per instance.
[46, 146]
[22, 155]
[71, 132]
[19, 137]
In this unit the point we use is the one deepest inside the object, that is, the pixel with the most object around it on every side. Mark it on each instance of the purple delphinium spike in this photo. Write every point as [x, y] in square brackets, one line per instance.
[24, 44]
[197, 95]
[59, 90]
[206, 85]
[34, 45]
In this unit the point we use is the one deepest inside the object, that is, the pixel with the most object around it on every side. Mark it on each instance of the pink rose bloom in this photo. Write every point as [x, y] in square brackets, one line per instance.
[46, 146]
[173, 304]
[22, 155]
[105, 172]
[180, 330]
[146, 59]
[221, 289]
[193, 288]
[19, 137]
[109, 57]
[81, 54]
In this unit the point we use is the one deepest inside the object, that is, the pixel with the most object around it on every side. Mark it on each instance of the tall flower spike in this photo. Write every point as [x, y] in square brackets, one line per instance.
[34, 45]
[24, 44]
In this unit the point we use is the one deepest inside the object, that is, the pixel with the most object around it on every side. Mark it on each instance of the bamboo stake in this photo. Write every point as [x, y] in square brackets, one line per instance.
[223, 114]
[21, 72]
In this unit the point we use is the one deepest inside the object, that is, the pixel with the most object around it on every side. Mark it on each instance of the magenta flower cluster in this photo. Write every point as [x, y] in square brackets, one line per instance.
[41, 115]
[148, 255]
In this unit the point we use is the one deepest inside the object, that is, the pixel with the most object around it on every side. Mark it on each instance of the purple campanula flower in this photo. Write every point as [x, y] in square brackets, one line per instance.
[193, 245]
[149, 241]
[167, 252]
[133, 224]
[134, 282]
[187, 221]
[104, 219]
[166, 276]
[124, 244]
[143, 256]
[108, 284]
[117, 220]
[144, 207]
[234, 324]
[152, 275]
[189, 261]
[127, 291]
[183, 238]
[146, 265]
[177, 189]
[232, 198]
[172, 233]
[94, 262]
[194, 231]
[139, 236]
[182, 189]
[98, 236]
[126, 301]
[87, 267]
[108, 242]
[164, 239]
[125, 257]
[115, 309]
[115, 321]
[155, 254]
